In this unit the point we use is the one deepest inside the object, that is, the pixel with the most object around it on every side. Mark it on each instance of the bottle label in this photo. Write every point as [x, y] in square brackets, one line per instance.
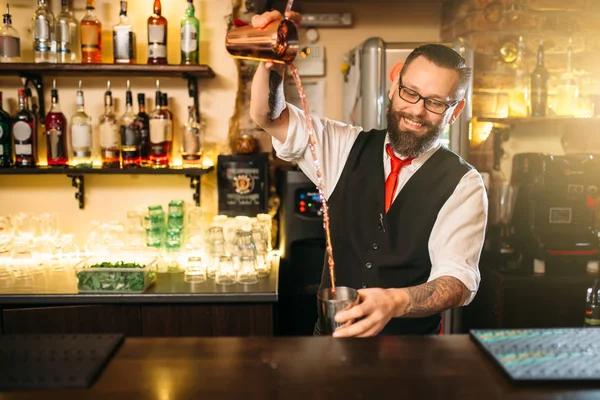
[41, 30]
[10, 46]
[124, 45]
[157, 34]
[22, 131]
[63, 36]
[89, 37]
[54, 147]
[191, 141]
[109, 136]
[130, 136]
[159, 130]
[23, 149]
[81, 137]
[1, 131]
[189, 39]
[156, 50]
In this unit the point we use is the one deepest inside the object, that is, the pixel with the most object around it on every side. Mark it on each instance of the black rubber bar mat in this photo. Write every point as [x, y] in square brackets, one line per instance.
[54, 361]
[534, 355]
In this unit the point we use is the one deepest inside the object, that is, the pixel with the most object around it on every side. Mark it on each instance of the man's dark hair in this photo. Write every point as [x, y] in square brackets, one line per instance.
[444, 57]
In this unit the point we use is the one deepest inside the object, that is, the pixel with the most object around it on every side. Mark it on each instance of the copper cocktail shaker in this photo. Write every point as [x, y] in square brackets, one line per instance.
[276, 42]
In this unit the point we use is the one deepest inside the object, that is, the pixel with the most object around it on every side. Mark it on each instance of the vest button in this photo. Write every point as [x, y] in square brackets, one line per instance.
[375, 246]
[368, 265]
[364, 285]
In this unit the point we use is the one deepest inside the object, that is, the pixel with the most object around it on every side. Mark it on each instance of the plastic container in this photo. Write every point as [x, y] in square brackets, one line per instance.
[91, 278]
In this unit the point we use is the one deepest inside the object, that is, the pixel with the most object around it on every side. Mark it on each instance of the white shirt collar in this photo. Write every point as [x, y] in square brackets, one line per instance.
[420, 160]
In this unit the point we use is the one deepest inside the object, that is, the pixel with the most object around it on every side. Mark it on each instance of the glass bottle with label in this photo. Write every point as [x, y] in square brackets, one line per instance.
[190, 36]
[539, 86]
[91, 36]
[44, 44]
[67, 36]
[130, 133]
[160, 128]
[144, 131]
[10, 43]
[24, 137]
[123, 39]
[165, 107]
[56, 129]
[5, 138]
[157, 36]
[110, 140]
[191, 149]
[81, 134]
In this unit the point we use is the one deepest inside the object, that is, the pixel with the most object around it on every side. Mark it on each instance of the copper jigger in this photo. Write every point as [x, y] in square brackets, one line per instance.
[276, 42]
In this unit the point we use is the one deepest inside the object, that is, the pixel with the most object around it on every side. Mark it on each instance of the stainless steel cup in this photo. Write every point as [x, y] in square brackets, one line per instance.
[329, 303]
[276, 42]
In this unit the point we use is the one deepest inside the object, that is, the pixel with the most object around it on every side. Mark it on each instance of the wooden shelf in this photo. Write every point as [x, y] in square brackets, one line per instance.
[105, 171]
[47, 69]
[534, 120]
[77, 176]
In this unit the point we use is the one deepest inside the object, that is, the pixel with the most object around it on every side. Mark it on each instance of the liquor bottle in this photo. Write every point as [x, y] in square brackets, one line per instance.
[144, 131]
[160, 128]
[568, 90]
[110, 148]
[539, 86]
[130, 133]
[123, 39]
[44, 44]
[10, 43]
[67, 35]
[165, 108]
[191, 149]
[157, 36]
[91, 36]
[190, 36]
[519, 95]
[5, 138]
[24, 135]
[56, 129]
[81, 134]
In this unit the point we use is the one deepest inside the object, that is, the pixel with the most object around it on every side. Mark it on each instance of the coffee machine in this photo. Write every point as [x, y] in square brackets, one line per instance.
[553, 224]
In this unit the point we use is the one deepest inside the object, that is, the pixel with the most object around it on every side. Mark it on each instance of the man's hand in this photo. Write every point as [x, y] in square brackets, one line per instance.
[376, 308]
[264, 19]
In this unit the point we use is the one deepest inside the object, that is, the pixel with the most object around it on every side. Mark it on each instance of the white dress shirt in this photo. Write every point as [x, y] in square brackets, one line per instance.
[458, 233]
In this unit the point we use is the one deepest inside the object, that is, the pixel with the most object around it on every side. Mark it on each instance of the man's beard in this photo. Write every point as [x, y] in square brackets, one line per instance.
[406, 142]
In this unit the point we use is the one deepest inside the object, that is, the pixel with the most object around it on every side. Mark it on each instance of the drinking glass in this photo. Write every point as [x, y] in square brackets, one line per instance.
[49, 225]
[225, 274]
[194, 228]
[25, 226]
[195, 271]
[213, 264]
[266, 222]
[263, 264]
[6, 234]
[247, 274]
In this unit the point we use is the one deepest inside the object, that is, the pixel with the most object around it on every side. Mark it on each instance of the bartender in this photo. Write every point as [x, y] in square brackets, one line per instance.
[407, 215]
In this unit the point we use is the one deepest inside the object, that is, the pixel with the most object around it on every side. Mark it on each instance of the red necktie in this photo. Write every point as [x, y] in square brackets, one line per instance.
[391, 183]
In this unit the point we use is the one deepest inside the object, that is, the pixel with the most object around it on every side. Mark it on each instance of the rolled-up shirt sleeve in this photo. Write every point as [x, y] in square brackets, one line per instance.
[334, 141]
[458, 234]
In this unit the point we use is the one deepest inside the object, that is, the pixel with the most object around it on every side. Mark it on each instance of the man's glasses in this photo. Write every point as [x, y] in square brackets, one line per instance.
[435, 106]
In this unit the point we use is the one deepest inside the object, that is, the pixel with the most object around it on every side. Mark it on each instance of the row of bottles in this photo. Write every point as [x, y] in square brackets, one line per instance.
[133, 140]
[63, 40]
[531, 94]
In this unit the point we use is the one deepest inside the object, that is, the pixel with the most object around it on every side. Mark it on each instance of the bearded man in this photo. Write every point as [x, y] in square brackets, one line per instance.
[407, 215]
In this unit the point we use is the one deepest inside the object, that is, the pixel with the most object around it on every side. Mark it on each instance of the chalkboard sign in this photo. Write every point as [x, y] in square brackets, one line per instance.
[243, 184]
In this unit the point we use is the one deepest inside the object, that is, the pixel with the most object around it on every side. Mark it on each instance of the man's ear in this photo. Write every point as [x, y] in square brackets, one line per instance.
[457, 110]
[395, 78]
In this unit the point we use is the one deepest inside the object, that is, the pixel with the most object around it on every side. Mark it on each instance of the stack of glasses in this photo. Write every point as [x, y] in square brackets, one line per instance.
[237, 251]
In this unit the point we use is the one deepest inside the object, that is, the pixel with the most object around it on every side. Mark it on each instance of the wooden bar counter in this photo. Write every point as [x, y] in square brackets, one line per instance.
[433, 367]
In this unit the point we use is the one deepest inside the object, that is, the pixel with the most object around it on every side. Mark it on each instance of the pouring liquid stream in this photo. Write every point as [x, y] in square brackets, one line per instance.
[320, 186]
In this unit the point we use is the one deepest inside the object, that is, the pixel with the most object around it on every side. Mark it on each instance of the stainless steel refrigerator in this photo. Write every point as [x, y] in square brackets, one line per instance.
[367, 83]
[366, 86]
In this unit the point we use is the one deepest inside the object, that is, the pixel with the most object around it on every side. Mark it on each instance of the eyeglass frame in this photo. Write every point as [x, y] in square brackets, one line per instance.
[448, 106]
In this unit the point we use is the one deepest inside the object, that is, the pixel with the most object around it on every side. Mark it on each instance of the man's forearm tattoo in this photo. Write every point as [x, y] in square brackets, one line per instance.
[435, 296]
[276, 95]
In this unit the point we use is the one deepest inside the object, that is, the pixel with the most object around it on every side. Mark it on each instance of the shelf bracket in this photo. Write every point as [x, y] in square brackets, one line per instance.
[78, 183]
[38, 85]
[195, 185]
[194, 93]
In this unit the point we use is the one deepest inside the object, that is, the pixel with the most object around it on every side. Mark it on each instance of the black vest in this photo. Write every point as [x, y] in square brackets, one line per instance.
[374, 249]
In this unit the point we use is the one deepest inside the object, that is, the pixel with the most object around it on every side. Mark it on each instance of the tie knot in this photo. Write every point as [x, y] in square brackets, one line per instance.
[397, 163]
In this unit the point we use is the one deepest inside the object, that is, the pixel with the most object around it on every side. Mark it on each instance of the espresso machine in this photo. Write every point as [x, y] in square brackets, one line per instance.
[553, 224]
